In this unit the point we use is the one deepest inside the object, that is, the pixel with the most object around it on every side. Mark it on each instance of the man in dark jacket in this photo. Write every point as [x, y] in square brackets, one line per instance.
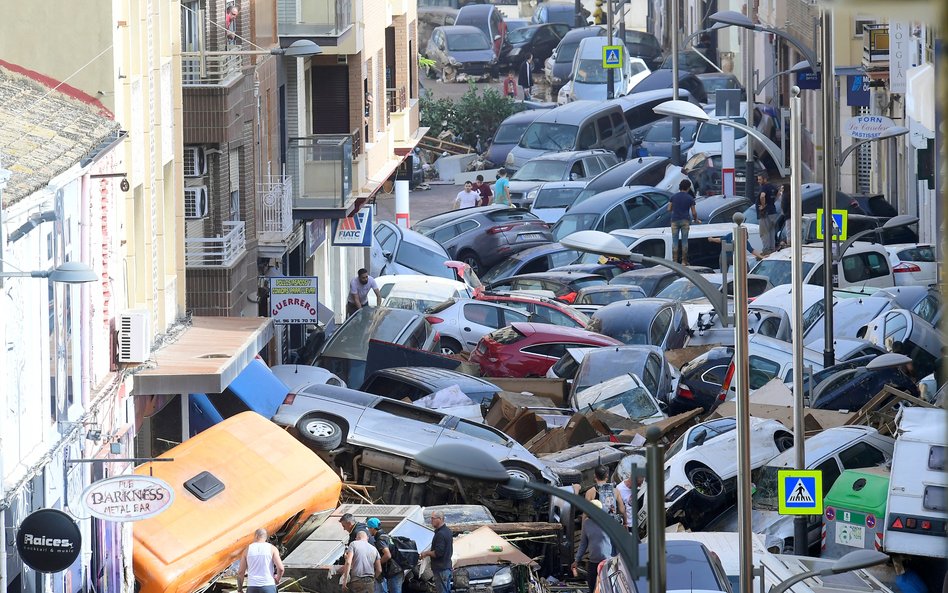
[525, 80]
[442, 548]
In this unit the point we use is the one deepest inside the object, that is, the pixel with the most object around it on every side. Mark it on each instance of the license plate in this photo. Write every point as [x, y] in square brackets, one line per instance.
[531, 237]
[850, 534]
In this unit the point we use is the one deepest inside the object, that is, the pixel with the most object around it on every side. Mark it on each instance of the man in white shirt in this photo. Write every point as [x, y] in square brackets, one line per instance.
[262, 565]
[467, 198]
[628, 488]
[359, 288]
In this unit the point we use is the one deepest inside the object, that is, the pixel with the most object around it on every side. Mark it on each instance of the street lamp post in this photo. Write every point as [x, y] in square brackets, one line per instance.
[829, 180]
[852, 561]
[676, 123]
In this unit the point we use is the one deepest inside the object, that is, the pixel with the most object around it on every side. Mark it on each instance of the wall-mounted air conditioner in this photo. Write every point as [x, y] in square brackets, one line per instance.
[195, 202]
[134, 342]
[195, 162]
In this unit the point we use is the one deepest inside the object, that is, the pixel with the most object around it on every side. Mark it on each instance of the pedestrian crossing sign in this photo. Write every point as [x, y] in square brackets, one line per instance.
[800, 492]
[840, 225]
[612, 56]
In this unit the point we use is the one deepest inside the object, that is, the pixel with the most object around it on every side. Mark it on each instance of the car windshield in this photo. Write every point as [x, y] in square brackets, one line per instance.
[570, 223]
[601, 368]
[504, 269]
[765, 494]
[778, 270]
[559, 197]
[662, 131]
[541, 171]
[619, 396]
[681, 290]
[510, 133]
[710, 134]
[467, 42]
[548, 136]
[521, 35]
[590, 72]
[604, 297]
[628, 336]
[565, 52]
[351, 341]
[423, 260]
[640, 38]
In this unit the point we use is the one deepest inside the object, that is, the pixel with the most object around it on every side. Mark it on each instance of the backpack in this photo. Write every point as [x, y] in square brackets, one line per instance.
[607, 496]
[404, 551]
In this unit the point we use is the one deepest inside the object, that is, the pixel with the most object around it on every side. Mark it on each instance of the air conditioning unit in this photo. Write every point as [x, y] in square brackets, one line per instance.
[195, 163]
[134, 343]
[195, 202]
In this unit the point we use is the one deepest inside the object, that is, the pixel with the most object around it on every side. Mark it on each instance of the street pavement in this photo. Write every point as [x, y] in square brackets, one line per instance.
[421, 203]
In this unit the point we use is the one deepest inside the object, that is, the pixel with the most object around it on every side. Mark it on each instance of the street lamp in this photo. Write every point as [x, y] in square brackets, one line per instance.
[852, 561]
[797, 68]
[301, 48]
[731, 18]
[686, 110]
[890, 132]
[67, 273]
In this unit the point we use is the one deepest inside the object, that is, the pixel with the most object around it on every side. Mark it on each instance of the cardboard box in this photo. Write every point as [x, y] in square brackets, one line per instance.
[577, 431]
[555, 389]
[506, 406]
[813, 420]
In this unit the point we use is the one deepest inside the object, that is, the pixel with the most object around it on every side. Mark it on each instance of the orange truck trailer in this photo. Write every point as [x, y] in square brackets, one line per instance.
[237, 476]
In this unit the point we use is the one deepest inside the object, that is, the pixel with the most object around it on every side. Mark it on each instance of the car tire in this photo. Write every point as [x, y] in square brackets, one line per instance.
[707, 484]
[450, 346]
[783, 441]
[323, 434]
[518, 471]
[471, 259]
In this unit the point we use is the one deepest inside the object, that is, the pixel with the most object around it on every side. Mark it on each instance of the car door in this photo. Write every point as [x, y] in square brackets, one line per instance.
[479, 319]
[614, 219]
[418, 428]
[385, 241]
[658, 330]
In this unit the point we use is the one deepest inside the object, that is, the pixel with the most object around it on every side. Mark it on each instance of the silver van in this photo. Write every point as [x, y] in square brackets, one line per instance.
[580, 125]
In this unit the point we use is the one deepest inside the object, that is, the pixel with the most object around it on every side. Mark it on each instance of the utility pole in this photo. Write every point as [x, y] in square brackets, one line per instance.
[610, 73]
[827, 73]
[749, 178]
[742, 382]
[676, 122]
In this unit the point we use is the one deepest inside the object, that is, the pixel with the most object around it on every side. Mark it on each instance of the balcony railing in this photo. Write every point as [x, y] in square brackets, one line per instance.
[318, 18]
[275, 199]
[397, 99]
[217, 252]
[202, 69]
[325, 170]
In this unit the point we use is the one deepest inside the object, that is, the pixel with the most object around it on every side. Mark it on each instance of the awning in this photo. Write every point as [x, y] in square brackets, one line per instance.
[207, 356]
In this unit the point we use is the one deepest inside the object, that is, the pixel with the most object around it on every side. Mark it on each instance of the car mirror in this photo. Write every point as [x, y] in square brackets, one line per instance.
[701, 436]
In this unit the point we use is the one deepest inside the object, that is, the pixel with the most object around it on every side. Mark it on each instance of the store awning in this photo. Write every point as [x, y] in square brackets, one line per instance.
[207, 357]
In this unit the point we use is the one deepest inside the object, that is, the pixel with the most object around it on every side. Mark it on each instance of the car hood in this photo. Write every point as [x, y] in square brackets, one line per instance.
[524, 186]
[521, 155]
[590, 92]
[477, 55]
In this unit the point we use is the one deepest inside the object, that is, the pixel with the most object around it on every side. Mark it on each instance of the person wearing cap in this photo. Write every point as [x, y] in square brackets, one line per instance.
[392, 574]
[595, 541]
[353, 528]
[363, 565]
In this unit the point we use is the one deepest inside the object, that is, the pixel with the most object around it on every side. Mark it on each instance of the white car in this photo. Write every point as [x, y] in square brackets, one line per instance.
[299, 375]
[913, 264]
[708, 139]
[624, 396]
[403, 251]
[463, 322]
[701, 466]
[419, 293]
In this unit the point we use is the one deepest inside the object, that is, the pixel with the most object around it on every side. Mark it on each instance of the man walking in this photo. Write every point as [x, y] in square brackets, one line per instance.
[392, 573]
[595, 541]
[262, 565]
[682, 206]
[363, 565]
[525, 80]
[767, 213]
[502, 188]
[628, 488]
[359, 288]
[442, 548]
[605, 493]
[466, 198]
[483, 189]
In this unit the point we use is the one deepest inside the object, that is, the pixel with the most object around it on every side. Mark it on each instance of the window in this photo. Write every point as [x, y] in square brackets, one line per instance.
[864, 266]
[513, 317]
[482, 315]
[651, 374]
[422, 260]
[594, 166]
[769, 327]
[394, 388]
[190, 27]
[466, 225]
[577, 171]
[934, 498]
[587, 137]
[550, 350]
[811, 315]
[445, 234]
[660, 327]
[418, 336]
[615, 219]
[927, 309]
[638, 208]
[715, 375]
[481, 432]
[407, 411]
[936, 458]
[762, 371]
[861, 455]
[604, 126]
[563, 258]
[227, 403]
[895, 327]
[553, 316]
[651, 248]
[386, 238]
[830, 472]
[527, 284]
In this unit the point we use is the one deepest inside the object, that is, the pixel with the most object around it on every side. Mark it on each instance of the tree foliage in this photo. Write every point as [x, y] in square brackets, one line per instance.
[474, 114]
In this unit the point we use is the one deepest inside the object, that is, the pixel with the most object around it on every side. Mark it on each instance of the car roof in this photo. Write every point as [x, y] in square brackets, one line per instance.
[527, 115]
[813, 252]
[568, 155]
[641, 313]
[643, 96]
[561, 331]
[475, 9]
[583, 32]
[563, 185]
[555, 275]
[459, 29]
[825, 443]
[438, 377]
[607, 287]
[345, 394]
[453, 216]
[415, 237]
[604, 199]
[619, 173]
[654, 271]
[572, 113]
[713, 75]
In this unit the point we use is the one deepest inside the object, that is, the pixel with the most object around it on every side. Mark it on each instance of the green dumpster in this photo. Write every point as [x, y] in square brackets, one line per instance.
[854, 512]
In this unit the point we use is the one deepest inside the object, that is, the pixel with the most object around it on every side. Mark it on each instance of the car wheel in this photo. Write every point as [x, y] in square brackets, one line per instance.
[449, 346]
[523, 473]
[321, 433]
[707, 483]
[783, 441]
[471, 259]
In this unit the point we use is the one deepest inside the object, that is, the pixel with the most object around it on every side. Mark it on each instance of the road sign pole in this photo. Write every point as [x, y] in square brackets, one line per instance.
[610, 75]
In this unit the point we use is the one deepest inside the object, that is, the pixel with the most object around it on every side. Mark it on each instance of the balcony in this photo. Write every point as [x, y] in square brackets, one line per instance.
[199, 69]
[318, 18]
[275, 205]
[325, 164]
[217, 252]
[875, 47]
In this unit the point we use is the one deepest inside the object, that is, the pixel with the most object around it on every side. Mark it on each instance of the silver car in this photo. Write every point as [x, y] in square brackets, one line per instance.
[327, 417]
[463, 322]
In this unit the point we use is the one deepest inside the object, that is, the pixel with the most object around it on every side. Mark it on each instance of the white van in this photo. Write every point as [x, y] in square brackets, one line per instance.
[863, 264]
[916, 515]
[657, 242]
[589, 77]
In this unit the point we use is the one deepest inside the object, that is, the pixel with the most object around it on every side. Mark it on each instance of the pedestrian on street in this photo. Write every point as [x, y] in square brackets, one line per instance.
[680, 204]
[466, 198]
[525, 80]
[784, 196]
[605, 493]
[628, 488]
[595, 541]
[393, 575]
[767, 213]
[510, 85]
[502, 188]
[359, 288]
[442, 548]
[729, 239]
[262, 565]
[483, 188]
[363, 565]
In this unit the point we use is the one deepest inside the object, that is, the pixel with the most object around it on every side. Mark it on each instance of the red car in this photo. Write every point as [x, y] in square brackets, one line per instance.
[540, 309]
[530, 349]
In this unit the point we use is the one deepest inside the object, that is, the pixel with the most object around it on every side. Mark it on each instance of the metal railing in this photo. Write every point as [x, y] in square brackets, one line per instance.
[396, 99]
[217, 252]
[275, 196]
[202, 69]
[357, 147]
[317, 17]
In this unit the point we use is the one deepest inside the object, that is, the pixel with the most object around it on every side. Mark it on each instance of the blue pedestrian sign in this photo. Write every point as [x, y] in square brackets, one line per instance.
[612, 56]
[800, 492]
[840, 225]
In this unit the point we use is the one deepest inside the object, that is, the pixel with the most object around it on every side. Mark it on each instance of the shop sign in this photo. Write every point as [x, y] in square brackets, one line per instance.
[293, 299]
[127, 498]
[866, 127]
[355, 230]
[48, 540]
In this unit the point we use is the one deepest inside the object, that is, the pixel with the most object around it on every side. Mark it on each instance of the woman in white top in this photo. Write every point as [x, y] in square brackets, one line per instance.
[262, 565]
